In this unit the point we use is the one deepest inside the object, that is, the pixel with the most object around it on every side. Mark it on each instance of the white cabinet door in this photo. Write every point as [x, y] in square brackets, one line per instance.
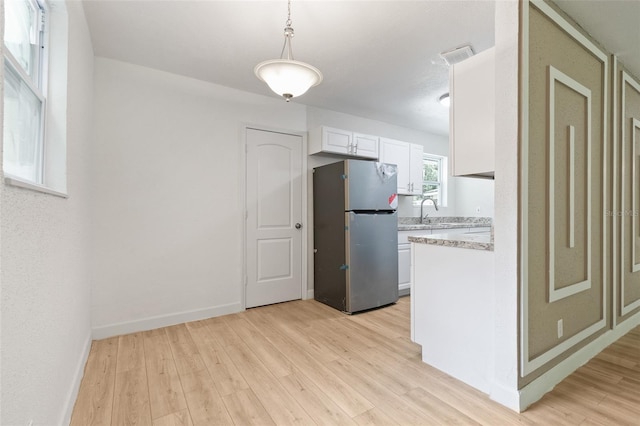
[408, 158]
[398, 153]
[415, 169]
[336, 140]
[453, 231]
[365, 146]
[344, 142]
[404, 258]
[479, 230]
[472, 116]
[450, 231]
[404, 268]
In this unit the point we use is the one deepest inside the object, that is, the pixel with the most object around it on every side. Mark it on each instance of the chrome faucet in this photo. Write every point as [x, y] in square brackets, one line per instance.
[422, 217]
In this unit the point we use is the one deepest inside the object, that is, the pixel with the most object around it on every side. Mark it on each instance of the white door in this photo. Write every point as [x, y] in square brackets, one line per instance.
[274, 217]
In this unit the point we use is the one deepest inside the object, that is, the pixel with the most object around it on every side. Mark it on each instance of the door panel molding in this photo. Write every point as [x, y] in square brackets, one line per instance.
[555, 294]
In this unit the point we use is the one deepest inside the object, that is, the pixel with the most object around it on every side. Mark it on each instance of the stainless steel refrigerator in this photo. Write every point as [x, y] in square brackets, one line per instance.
[355, 235]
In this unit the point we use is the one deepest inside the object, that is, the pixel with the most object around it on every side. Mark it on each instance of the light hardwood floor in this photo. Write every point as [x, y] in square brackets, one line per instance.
[302, 362]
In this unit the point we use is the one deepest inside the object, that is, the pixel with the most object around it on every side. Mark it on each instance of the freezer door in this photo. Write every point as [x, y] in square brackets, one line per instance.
[372, 260]
[370, 186]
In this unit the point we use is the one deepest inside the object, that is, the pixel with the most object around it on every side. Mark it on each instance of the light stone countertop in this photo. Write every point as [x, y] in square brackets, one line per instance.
[413, 223]
[442, 225]
[474, 241]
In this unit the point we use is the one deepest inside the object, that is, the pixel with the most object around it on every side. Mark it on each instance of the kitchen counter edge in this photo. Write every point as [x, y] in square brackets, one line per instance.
[426, 227]
[464, 241]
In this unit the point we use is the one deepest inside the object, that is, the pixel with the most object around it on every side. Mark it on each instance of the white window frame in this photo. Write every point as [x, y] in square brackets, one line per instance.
[38, 84]
[441, 182]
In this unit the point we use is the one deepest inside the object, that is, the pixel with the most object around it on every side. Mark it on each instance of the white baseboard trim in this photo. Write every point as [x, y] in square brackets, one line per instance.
[545, 383]
[503, 395]
[310, 294]
[159, 321]
[72, 395]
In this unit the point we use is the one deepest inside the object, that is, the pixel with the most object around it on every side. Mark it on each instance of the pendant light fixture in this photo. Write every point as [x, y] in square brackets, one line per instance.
[287, 77]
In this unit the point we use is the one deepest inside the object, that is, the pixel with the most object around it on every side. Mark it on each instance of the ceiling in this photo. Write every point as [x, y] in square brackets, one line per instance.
[380, 59]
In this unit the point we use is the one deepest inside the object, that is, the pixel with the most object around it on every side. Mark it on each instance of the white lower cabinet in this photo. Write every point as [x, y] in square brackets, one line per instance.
[404, 259]
[404, 268]
[453, 231]
[404, 251]
[452, 311]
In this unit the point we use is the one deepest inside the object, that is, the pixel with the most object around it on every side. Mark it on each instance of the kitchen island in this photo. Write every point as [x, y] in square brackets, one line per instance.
[452, 304]
[414, 226]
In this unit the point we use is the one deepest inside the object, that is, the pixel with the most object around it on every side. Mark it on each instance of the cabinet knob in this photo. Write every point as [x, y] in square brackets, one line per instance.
[298, 225]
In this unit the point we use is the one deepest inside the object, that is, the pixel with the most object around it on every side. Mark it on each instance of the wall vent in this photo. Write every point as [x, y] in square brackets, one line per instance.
[456, 55]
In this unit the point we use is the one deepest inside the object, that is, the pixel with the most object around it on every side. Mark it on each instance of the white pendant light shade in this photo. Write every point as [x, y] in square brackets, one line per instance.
[288, 78]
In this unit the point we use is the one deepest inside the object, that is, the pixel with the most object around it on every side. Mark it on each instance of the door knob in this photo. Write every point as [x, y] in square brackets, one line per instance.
[298, 225]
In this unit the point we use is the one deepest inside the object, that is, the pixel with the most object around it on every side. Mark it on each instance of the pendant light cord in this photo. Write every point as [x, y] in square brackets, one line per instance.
[288, 34]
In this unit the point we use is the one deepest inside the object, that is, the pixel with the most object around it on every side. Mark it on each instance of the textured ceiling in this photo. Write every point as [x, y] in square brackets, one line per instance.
[615, 24]
[380, 59]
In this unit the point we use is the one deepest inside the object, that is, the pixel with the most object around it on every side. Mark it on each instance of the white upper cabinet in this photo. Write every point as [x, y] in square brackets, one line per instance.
[365, 146]
[472, 116]
[416, 164]
[344, 142]
[408, 158]
[334, 140]
[398, 153]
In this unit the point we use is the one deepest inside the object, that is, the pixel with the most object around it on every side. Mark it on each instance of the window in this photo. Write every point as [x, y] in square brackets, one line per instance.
[25, 90]
[434, 179]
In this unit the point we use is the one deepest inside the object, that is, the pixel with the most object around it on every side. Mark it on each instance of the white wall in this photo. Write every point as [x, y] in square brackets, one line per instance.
[45, 292]
[168, 195]
[505, 383]
[474, 196]
[168, 192]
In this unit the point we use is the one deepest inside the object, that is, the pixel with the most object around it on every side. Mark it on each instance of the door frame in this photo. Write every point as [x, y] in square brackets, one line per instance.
[243, 207]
